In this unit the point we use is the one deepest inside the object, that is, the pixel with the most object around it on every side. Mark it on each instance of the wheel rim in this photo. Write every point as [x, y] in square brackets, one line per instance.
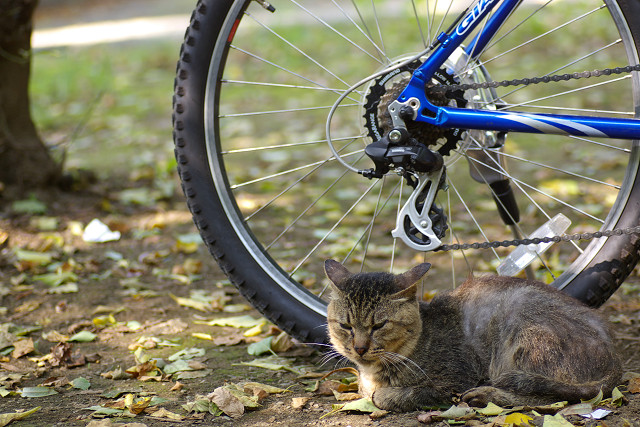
[264, 181]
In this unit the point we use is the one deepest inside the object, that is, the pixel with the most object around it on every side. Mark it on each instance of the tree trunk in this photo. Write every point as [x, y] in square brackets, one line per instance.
[25, 162]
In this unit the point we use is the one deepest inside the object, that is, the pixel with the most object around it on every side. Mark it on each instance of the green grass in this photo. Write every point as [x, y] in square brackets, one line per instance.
[109, 106]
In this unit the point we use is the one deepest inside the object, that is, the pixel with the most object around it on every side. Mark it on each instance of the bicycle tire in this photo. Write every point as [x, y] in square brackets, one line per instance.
[243, 257]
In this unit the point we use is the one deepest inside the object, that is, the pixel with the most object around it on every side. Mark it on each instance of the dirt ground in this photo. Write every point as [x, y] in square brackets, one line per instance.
[138, 280]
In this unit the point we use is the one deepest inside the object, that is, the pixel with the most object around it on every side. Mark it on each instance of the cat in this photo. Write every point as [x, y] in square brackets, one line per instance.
[496, 339]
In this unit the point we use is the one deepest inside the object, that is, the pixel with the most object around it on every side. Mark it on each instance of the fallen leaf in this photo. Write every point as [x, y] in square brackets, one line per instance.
[104, 321]
[578, 409]
[22, 347]
[274, 363]
[227, 402]
[596, 400]
[177, 386]
[326, 388]
[634, 385]
[83, 336]
[267, 388]
[429, 417]
[236, 308]
[552, 408]
[255, 331]
[177, 366]
[555, 421]
[345, 397]
[518, 419]
[15, 416]
[67, 288]
[116, 374]
[245, 321]
[457, 412]
[55, 382]
[299, 402]
[187, 353]
[31, 206]
[261, 347]
[490, 410]
[380, 413]
[228, 340]
[33, 257]
[139, 405]
[202, 404]
[81, 383]
[282, 343]
[191, 303]
[37, 392]
[56, 279]
[144, 370]
[360, 405]
[202, 336]
[617, 398]
[167, 415]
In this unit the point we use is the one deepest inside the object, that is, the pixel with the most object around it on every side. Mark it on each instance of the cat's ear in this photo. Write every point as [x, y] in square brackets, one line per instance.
[405, 280]
[336, 272]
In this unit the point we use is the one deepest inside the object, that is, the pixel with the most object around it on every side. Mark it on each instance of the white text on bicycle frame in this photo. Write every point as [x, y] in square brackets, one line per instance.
[468, 20]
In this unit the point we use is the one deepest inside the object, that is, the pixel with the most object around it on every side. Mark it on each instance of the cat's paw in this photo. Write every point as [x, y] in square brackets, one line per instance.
[480, 397]
[395, 399]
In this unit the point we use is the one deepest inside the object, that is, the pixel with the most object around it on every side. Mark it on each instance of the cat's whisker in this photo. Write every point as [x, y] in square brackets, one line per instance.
[330, 355]
[406, 362]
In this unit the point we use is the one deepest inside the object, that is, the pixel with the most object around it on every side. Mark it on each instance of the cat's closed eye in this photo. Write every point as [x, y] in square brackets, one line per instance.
[379, 325]
[345, 326]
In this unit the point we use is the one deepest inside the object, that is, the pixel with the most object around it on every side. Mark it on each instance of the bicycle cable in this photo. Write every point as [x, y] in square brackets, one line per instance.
[354, 87]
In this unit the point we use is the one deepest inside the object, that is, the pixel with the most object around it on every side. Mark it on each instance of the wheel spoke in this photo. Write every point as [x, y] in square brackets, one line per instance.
[326, 24]
[289, 171]
[541, 36]
[328, 233]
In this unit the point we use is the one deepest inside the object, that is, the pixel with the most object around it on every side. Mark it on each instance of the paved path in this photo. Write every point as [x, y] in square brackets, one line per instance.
[107, 22]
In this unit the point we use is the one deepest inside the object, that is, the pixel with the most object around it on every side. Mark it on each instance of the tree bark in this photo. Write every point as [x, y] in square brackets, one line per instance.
[25, 161]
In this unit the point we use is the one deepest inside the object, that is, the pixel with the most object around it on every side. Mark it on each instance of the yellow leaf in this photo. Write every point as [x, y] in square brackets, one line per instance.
[10, 417]
[556, 421]
[491, 410]
[202, 336]
[255, 331]
[518, 419]
[164, 414]
[191, 303]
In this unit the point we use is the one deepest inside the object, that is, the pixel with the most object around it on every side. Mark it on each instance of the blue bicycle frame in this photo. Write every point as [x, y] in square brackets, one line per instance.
[501, 121]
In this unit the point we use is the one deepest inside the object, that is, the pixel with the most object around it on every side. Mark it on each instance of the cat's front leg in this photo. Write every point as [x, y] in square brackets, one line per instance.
[404, 399]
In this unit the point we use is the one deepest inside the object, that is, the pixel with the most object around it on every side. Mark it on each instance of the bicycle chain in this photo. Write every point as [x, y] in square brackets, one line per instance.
[537, 80]
[526, 82]
[538, 240]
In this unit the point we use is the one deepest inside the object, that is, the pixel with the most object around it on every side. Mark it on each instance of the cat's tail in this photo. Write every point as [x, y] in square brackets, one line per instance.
[528, 384]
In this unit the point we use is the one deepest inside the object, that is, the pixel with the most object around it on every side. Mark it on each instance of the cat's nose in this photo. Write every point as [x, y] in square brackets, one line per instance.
[361, 350]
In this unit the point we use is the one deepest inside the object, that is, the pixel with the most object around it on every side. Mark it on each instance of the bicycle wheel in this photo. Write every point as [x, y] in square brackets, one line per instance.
[252, 93]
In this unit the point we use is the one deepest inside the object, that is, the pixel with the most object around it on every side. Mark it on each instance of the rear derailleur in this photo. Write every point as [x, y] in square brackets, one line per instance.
[420, 224]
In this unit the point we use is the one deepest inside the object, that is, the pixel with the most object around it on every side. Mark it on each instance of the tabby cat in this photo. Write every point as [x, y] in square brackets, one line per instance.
[494, 339]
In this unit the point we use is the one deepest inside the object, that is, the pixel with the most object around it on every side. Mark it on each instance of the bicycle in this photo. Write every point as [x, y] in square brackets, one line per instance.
[385, 131]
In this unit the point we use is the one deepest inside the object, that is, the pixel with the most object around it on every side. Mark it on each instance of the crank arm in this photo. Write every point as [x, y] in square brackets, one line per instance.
[409, 216]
